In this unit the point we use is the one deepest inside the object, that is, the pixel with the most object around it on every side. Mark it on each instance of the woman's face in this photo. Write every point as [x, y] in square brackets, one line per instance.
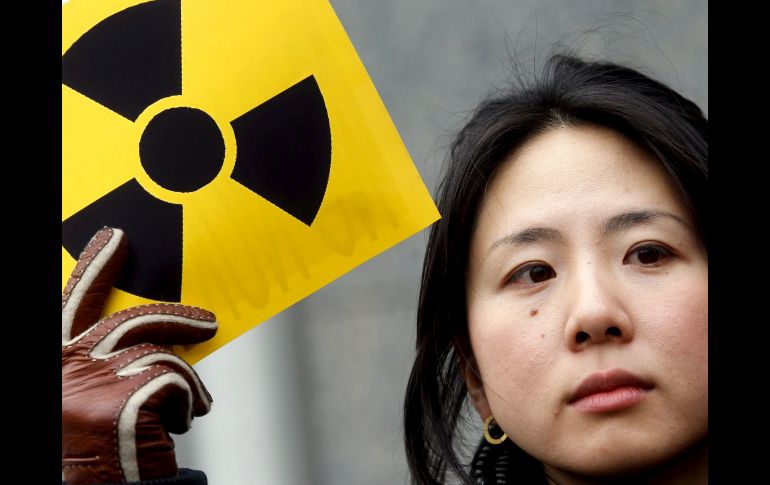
[588, 305]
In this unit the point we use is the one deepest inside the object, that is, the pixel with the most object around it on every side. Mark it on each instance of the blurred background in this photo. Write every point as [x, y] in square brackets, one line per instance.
[314, 395]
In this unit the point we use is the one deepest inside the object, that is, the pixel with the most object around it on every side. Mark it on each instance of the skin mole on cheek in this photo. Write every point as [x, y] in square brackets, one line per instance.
[533, 312]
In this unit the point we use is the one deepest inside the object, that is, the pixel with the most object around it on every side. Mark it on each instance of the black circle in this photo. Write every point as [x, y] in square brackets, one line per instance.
[182, 149]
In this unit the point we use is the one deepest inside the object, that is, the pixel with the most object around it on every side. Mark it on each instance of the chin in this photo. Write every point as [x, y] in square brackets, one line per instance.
[626, 460]
[616, 466]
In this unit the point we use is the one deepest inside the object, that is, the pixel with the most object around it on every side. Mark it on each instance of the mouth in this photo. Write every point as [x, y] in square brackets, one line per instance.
[607, 391]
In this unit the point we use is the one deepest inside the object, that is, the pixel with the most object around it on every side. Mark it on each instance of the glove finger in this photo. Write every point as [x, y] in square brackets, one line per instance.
[141, 358]
[173, 407]
[91, 281]
[168, 401]
[134, 422]
[160, 324]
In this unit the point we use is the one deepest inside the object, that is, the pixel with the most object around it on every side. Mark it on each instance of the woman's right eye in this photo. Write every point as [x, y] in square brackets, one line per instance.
[530, 274]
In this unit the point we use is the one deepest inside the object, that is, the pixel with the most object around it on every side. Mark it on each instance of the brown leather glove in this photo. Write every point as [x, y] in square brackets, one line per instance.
[122, 392]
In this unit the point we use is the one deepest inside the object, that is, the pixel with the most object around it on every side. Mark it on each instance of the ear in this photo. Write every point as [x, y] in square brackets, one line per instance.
[476, 388]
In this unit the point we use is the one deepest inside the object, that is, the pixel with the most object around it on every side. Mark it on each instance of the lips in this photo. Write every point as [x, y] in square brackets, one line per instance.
[601, 382]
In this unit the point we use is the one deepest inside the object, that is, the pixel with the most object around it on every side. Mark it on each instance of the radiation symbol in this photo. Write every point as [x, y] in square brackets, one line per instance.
[241, 146]
[131, 60]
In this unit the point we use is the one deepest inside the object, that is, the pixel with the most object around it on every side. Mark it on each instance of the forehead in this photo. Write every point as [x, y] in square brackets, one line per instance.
[572, 174]
[588, 157]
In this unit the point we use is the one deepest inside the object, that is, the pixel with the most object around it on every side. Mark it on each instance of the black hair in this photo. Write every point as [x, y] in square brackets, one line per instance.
[567, 92]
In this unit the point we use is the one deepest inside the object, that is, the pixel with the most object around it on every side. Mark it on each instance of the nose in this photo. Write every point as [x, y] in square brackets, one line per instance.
[596, 311]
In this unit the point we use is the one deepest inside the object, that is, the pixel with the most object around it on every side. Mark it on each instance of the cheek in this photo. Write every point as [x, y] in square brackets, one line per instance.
[674, 332]
[678, 323]
[514, 352]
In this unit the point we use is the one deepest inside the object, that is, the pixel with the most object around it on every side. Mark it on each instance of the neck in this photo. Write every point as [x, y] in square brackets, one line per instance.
[689, 468]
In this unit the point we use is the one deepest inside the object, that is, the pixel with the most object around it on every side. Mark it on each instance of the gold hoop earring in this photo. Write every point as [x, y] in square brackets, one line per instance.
[488, 437]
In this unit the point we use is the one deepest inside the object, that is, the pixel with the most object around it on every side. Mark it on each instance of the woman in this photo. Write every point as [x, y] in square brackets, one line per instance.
[565, 289]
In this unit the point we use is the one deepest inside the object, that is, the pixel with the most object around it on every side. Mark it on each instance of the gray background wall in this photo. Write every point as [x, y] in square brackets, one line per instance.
[314, 395]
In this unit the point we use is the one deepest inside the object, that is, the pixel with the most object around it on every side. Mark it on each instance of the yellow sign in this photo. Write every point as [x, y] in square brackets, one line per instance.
[241, 146]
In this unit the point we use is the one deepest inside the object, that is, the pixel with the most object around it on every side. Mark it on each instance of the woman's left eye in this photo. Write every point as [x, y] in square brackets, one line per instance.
[647, 255]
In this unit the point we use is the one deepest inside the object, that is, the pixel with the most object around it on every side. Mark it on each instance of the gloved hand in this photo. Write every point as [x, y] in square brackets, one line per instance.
[122, 391]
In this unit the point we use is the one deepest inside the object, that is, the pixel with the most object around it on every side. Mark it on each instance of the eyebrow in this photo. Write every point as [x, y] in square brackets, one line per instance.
[529, 236]
[615, 224]
[627, 220]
